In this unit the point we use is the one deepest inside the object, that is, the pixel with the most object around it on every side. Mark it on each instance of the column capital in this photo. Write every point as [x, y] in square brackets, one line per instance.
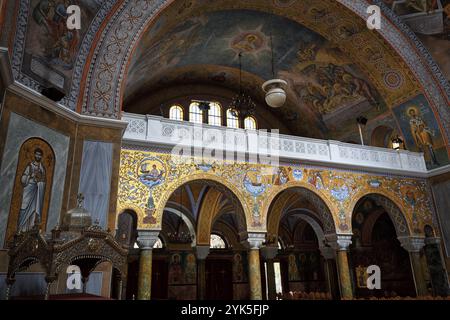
[147, 238]
[328, 253]
[201, 252]
[256, 240]
[433, 240]
[339, 242]
[412, 243]
[269, 253]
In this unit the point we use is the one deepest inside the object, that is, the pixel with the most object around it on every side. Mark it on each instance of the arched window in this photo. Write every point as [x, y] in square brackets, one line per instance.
[250, 123]
[217, 242]
[195, 114]
[214, 114]
[126, 228]
[176, 113]
[232, 119]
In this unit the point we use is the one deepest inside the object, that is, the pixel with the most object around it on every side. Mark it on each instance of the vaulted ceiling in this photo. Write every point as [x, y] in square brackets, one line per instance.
[135, 55]
[203, 49]
[331, 79]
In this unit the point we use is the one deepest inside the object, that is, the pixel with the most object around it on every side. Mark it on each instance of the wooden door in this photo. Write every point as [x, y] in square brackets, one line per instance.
[219, 280]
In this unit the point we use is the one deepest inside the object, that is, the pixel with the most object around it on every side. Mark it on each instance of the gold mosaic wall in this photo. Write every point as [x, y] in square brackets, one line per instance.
[148, 179]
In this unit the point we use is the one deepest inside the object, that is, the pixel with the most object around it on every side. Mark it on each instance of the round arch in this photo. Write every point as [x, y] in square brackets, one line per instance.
[106, 72]
[189, 223]
[315, 226]
[277, 200]
[242, 233]
[392, 206]
[381, 135]
[208, 179]
[140, 212]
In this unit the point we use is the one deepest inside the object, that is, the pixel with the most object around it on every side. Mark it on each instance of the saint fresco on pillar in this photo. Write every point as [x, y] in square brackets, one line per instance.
[32, 187]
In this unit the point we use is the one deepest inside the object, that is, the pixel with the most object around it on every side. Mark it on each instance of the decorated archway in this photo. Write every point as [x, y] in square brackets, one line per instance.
[276, 201]
[398, 218]
[206, 216]
[379, 228]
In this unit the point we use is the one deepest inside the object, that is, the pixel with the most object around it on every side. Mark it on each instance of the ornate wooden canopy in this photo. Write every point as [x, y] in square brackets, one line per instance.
[56, 251]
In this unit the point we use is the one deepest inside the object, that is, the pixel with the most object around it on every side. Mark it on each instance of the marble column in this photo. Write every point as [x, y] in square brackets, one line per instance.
[436, 265]
[201, 253]
[268, 254]
[414, 245]
[329, 256]
[341, 244]
[146, 240]
[254, 269]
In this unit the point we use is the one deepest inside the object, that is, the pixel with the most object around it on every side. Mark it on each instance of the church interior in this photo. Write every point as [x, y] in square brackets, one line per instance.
[225, 149]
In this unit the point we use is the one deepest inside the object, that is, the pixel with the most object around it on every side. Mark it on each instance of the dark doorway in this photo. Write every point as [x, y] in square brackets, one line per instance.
[132, 280]
[160, 279]
[219, 280]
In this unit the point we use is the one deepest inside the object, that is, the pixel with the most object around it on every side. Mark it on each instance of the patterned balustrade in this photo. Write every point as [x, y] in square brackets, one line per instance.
[154, 130]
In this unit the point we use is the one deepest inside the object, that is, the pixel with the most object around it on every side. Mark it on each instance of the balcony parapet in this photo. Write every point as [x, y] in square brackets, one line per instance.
[148, 130]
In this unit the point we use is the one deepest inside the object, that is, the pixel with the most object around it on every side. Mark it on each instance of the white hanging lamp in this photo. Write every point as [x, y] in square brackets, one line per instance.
[275, 94]
[274, 88]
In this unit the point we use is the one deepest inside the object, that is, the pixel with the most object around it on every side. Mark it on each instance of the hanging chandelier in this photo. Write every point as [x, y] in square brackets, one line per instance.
[242, 104]
[179, 236]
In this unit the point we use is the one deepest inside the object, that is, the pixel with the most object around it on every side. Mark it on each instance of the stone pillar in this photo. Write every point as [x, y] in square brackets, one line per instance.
[201, 253]
[329, 256]
[341, 244]
[146, 240]
[254, 269]
[269, 253]
[436, 265]
[414, 245]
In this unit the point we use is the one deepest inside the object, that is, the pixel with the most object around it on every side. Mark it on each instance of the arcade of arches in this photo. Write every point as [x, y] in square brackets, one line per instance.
[126, 123]
[283, 230]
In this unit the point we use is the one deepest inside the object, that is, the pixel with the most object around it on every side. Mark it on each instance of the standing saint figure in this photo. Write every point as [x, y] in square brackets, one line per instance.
[33, 182]
[422, 134]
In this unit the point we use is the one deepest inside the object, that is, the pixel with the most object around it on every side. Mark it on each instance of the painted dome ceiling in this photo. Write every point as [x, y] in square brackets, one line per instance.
[138, 55]
[323, 82]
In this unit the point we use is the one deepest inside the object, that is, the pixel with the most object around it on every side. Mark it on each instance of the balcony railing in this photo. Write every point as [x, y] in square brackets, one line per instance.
[155, 130]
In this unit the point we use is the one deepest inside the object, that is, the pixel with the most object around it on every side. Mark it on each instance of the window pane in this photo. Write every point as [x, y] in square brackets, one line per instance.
[195, 114]
[232, 119]
[250, 123]
[176, 113]
[217, 242]
[214, 114]
[277, 271]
